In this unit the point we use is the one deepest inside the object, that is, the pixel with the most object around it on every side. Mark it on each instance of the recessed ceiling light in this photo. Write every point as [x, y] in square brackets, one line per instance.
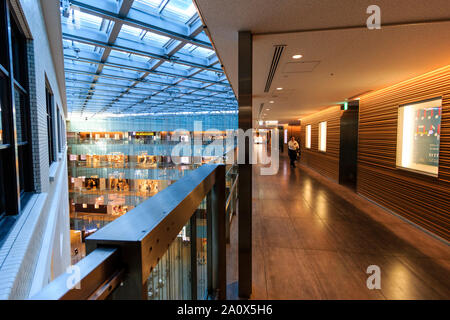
[267, 109]
[272, 101]
[297, 56]
[279, 89]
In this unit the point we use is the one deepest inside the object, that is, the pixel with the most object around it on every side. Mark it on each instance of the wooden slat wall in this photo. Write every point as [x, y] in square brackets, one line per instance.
[325, 163]
[422, 199]
[294, 130]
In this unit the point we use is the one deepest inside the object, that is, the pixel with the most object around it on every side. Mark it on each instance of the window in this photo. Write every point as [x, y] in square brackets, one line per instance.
[58, 117]
[18, 49]
[308, 137]
[3, 36]
[4, 148]
[323, 136]
[61, 132]
[418, 136]
[2, 191]
[23, 145]
[4, 65]
[15, 144]
[19, 61]
[50, 126]
[1, 125]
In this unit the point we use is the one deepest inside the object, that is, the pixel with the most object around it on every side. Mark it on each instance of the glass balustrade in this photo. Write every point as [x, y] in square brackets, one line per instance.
[178, 255]
[171, 278]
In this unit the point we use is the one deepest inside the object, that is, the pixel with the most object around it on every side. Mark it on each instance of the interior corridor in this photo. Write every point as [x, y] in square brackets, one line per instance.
[314, 239]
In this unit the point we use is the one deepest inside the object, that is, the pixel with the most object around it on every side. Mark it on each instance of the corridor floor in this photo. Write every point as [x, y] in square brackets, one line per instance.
[314, 239]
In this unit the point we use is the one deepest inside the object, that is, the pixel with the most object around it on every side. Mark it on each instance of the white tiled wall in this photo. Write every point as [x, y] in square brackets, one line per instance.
[23, 259]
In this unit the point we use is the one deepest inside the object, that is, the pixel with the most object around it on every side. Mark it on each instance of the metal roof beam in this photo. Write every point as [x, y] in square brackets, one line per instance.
[117, 76]
[98, 92]
[69, 34]
[146, 104]
[140, 67]
[125, 7]
[143, 21]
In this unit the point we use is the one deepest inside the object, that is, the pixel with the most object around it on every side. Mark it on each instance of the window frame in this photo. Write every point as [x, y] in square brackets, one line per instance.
[58, 125]
[50, 106]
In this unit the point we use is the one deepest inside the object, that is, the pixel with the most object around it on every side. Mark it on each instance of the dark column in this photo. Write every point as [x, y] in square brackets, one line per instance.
[217, 244]
[219, 234]
[281, 139]
[245, 170]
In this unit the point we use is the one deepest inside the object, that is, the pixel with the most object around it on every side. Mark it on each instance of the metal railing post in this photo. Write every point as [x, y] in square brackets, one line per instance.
[209, 246]
[194, 270]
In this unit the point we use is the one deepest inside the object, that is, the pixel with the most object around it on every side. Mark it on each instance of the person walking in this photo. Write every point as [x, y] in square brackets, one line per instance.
[292, 150]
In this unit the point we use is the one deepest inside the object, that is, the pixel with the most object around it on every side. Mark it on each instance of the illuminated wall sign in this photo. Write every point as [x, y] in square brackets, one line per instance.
[145, 133]
[308, 137]
[323, 136]
[418, 136]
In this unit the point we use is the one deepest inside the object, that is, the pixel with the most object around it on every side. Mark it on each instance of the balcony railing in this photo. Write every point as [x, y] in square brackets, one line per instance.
[172, 246]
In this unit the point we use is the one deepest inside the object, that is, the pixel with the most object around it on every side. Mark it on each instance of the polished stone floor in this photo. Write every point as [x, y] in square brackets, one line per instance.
[314, 239]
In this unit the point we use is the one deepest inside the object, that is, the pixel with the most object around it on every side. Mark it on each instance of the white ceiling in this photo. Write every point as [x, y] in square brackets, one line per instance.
[359, 59]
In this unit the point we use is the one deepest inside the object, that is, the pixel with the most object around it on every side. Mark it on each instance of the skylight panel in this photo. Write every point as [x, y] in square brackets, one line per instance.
[84, 47]
[184, 10]
[192, 84]
[150, 3]
[75, 47]
[119, 54]
[197, 51]
[75, 63]
[175, 66]
[210, 74]
[203, 37]
[155, 77]
[78, 19]
[204, 52]
[136, 32]
[67, 43]
[139, 58]
[153, 38]
[88, 18]
[121, 72]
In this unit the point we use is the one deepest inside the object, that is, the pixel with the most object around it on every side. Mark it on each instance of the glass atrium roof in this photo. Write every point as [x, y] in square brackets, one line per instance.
[140, 57]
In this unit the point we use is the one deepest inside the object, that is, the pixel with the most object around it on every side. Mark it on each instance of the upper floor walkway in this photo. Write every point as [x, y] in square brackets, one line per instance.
[314, 239]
